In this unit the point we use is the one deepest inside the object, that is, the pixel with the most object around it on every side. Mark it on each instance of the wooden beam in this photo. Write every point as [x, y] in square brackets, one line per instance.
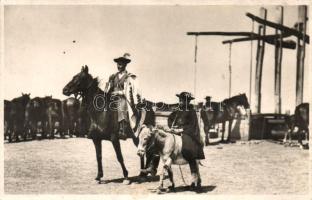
[218, 33]
[278, 66]
[259, 62]
[302, 23]
[270, 39]
[280, 27]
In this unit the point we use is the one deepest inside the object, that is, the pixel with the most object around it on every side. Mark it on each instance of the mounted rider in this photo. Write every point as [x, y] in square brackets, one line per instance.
[124, 93]
[184, 121]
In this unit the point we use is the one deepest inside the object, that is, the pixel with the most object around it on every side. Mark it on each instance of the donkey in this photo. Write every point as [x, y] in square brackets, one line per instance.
[104, 124]
[169, 147]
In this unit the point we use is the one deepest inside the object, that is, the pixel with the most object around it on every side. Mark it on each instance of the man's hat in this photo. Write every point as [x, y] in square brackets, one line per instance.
[185, 95]
[124, 59]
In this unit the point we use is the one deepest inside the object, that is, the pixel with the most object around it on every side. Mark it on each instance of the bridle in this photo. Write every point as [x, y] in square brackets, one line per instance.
[82, 93]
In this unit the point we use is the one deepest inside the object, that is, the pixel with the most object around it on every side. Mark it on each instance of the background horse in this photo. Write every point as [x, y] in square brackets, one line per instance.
[54, 117]
[211, 115]
[36, 116]
[16, 117]
[70, 109]
[220, 112]
[301, 120]
[7, 128]
[104, 124]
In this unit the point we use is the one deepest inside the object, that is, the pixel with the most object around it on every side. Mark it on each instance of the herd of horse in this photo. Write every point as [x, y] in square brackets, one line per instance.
[26, 117]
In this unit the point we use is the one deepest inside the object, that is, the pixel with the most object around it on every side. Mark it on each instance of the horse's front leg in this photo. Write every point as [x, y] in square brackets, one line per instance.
[285, 136]
[206, 130]
[98, 151]
[223, 130]
[229, 130]
[116, 145]
[300, 137]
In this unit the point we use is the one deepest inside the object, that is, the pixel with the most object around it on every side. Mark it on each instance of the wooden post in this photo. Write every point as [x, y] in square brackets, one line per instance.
[278, 67]
[230, 69]
[259, 62]
[301, 27]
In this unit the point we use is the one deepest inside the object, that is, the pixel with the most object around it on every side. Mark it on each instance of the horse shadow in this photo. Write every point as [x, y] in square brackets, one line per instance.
[134, 179]
[203, 189]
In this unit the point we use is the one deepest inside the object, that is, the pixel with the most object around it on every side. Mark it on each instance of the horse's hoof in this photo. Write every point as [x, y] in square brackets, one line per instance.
[98, 178]
[126, 181]
[171, 188]
[143, 174]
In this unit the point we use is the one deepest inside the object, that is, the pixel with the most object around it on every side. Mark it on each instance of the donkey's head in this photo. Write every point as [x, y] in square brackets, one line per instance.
[145, 137]
[150, 137]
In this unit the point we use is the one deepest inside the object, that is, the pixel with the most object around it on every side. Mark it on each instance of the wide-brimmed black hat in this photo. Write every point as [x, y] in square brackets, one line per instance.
[185, 95]
[124, 59]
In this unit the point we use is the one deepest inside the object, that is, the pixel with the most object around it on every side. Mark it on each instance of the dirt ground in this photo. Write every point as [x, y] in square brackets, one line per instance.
[68, 166]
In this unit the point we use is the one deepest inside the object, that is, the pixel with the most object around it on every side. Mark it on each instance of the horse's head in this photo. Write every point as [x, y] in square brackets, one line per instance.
[25, 98]
[243, 101]
[237, 104]
[79, 83]
[145, 136]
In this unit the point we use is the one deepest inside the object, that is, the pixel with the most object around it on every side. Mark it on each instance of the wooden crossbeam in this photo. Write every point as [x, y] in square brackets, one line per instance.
[219, 33]
[288, 44]
[270, 39]
[280, 27]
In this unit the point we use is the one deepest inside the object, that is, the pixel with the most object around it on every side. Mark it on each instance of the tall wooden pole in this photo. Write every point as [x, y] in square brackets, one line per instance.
[251, 64]
[301, 27]
[230, 69]
[278, 66]
[259, 62]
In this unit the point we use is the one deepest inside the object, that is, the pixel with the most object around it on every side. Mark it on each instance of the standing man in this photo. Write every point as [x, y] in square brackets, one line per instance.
[123, 90]
[184, 121]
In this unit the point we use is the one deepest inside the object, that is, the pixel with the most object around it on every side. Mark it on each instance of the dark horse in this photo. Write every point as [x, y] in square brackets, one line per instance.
[16, 117]
[104, 125]
[36, 116]
[301, 120]
[7, 128]
[220, 112]
[71, 108]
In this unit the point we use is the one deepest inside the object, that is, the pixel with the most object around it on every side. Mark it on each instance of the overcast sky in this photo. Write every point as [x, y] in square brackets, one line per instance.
[36, 38]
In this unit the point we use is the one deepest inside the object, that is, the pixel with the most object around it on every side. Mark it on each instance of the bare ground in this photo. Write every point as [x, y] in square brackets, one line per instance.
[68, 166]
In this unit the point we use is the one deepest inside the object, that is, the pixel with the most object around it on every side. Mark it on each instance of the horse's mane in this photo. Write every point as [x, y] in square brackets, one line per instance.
[96, 80]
